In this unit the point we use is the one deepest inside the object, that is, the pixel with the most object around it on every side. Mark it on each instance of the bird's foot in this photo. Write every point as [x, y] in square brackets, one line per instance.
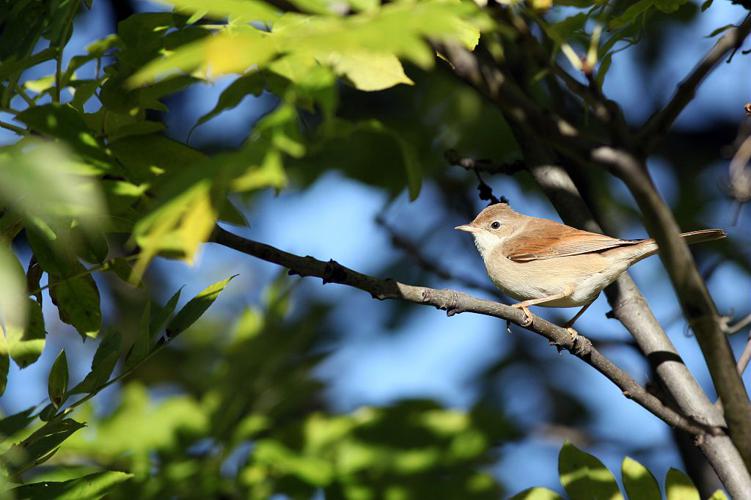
[527, 315]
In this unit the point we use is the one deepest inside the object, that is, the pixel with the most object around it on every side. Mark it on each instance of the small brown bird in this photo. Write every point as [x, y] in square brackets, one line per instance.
[545, 263]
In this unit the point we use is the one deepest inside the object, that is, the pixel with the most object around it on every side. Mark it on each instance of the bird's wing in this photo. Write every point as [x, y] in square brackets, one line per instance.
[548, 240]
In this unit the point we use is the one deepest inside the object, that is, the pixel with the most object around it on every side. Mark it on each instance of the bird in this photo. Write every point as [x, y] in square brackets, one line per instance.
[545, 263]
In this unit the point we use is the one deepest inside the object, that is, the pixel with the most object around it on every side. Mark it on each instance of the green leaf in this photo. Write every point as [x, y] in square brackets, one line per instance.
[195, 308]
[15, 423]
[144, 339]
[89, 487]
[77, 301]
[630, 15]
[57, 386]
[66, 123]
[678, 486]
[638, 481]
[537, 494]
[584, 476]
[240, 10]
[250, 84]
[395, 30]
[42, 180]
[669, 6]
[25, 344]
[13, 297]
[720, 30]
[40, 445]
[706, 4]
[370, 71]
[161, 315]
[102, 365]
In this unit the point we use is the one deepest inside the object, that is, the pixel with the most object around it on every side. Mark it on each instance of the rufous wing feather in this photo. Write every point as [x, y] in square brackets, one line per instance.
[544, 239]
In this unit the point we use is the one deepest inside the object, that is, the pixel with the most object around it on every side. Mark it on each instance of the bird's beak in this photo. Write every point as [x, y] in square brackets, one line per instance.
[466, 228]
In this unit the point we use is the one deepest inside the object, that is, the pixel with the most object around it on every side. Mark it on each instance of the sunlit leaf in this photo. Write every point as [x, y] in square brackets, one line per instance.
[195, 308]
[638, 481]
[537, 494]
[241, 10]
[678, 486]
[13, 297]
[369, 71]
[26, 342]
[43, 180]
[584, 476]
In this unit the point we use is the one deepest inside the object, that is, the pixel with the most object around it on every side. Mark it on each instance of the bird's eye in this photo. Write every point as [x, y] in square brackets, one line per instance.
[495, 225]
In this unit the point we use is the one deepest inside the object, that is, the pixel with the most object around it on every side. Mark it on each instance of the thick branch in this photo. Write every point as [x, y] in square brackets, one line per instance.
[694, 297]
[631, 309]
[454, 302]
[660, 122]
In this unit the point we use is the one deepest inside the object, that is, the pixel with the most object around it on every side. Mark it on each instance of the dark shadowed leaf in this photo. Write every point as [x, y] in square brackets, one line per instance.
[57, 385]
[103, 364]
[90, 487]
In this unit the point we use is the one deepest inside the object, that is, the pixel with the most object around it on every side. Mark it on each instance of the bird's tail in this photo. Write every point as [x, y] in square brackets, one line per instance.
[703, 235]
[649, 247]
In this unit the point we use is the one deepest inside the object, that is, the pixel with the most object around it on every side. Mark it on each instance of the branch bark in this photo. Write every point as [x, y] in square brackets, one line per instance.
[659, 123]
[454, 302]
[697, 305]
[632, 310]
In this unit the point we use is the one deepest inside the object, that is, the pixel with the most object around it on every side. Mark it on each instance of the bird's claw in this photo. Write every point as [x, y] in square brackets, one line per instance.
[527, 315]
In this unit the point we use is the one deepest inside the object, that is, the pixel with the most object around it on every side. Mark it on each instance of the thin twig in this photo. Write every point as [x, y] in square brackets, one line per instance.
[745, 356]
[13, 128]
[454, 302]
[660, 122]
[739, 325]
[484, 165]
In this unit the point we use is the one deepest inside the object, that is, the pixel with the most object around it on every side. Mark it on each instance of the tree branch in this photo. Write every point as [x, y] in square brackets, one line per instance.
[418, 256]
[454, 302]
[692, 292]
[660, 122]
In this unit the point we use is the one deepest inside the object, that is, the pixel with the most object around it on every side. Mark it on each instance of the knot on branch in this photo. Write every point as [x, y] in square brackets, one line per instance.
[582, 346]
[449, 304]
[333, 272]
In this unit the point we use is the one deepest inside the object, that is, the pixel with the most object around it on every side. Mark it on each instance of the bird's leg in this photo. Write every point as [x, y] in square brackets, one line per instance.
[570, 323]
[524, 306]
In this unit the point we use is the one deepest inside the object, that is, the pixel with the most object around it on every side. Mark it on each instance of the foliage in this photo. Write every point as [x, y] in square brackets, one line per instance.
[584, 477]
[94, 190]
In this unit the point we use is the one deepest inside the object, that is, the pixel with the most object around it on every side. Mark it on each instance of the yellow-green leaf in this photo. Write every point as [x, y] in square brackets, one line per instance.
[26, 342]
[370, 71]
[678, 486]
[638, 481]
[240, 10]
[195, 308]
[584, 476]
[537, 494]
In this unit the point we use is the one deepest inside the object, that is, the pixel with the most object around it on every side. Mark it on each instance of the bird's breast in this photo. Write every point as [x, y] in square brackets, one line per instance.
[581, 276]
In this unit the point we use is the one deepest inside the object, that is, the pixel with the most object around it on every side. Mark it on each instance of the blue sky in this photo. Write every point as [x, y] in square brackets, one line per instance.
[432, 355]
